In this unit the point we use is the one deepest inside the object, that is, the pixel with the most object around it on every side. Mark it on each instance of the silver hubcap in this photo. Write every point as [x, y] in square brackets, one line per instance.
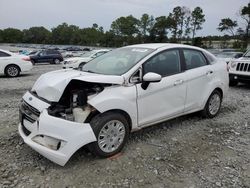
[12, 71]
[111, 136]
[214, 104]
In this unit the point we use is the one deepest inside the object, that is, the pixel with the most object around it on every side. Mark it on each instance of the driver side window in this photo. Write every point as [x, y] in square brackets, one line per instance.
[165, 63]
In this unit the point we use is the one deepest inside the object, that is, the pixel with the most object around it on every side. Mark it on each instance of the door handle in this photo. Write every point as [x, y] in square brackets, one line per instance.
[178, 82]
[209, 72]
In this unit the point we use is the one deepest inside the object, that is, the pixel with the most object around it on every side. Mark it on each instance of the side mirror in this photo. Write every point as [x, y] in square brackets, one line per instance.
[148, 78]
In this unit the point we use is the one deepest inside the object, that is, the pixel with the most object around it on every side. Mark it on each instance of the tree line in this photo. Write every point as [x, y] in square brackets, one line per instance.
[181, 24]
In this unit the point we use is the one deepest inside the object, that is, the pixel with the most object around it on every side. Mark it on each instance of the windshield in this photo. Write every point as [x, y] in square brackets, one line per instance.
[116, 62]
[247, 54]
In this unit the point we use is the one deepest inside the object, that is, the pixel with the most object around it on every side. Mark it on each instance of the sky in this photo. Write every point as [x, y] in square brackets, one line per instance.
[23, 14]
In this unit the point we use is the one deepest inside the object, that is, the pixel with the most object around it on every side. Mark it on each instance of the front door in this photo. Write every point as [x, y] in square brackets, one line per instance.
[166, 98]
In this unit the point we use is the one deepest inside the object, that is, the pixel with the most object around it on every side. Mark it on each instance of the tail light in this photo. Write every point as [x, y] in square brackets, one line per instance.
[26, 58]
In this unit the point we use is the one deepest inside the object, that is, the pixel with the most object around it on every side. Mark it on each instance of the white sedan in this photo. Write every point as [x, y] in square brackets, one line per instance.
[78, 62]
[121, 91]
[12, 64]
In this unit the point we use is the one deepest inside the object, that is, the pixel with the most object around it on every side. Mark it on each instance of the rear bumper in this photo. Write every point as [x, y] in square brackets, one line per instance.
[26, 66]
[68, 136]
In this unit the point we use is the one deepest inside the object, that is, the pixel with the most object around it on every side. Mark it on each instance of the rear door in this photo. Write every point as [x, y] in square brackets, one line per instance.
[166, 98]
[199, 74]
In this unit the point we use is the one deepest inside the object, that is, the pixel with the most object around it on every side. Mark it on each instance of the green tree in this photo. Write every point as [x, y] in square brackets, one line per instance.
[197, 19]
[228, 25]
[125, 26]
[1, 35]
[146, 24]
[180, 19]
[91, 36]
[66, 34]
[12, 35]
[245, 14]
[160, 29]
[37, 35]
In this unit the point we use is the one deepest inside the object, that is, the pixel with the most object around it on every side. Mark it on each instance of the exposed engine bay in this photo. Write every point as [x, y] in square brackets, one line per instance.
[73, 105]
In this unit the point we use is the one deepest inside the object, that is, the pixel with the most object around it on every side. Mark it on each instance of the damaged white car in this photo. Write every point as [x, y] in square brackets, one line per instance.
[122, 91]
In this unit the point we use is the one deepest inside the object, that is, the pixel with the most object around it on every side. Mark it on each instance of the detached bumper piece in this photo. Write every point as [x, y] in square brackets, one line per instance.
[55, 138]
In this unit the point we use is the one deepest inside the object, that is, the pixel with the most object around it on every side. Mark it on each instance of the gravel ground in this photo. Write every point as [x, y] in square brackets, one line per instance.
[185, 152]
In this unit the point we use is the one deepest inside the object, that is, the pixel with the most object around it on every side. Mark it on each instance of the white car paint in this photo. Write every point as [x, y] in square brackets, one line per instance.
[173, 96]
[15, 59]
[74, 62]
[239, 69]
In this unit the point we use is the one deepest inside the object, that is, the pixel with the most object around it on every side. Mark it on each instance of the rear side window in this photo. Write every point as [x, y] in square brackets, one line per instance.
[165, 63]
[194, 59]
[3, 54]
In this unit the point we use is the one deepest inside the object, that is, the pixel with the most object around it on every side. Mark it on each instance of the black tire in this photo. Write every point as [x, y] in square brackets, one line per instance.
[99, 123]
[12, 71]
[56, 61]
[233, 83]
[207, 112]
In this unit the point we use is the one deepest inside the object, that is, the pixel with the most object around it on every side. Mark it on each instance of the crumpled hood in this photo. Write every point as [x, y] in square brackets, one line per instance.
[51, 85]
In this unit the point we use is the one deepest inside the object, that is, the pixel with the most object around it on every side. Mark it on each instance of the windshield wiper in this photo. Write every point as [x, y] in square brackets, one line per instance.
[89, 71]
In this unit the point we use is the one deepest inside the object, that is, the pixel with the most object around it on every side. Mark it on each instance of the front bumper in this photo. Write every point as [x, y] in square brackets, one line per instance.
[239, 77]
[71, 135]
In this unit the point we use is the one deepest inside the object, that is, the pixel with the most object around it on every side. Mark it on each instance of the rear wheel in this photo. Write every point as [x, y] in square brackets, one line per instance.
[111, 130]
[12, 70]
[213, 105]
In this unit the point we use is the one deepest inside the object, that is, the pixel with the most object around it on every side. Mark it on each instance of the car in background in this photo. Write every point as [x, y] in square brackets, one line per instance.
[119, 92]
[51, 56]
[12, 64]
[32, 52]
[72, 48]
[239, 70]
[78, 62]
[228, 56]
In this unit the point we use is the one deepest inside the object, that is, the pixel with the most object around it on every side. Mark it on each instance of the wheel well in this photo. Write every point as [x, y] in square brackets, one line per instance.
[125, 114]
[220, 91]
[11, 65]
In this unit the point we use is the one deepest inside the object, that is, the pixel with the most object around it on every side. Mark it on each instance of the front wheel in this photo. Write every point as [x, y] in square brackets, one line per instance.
[233, 83]
[56, 61]
[213, 105]
[111, 130]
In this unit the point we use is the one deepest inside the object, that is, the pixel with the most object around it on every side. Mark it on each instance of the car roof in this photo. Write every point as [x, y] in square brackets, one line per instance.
[162, 45]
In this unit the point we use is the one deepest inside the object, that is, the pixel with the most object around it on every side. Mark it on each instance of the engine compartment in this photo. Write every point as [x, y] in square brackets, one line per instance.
[73, 104]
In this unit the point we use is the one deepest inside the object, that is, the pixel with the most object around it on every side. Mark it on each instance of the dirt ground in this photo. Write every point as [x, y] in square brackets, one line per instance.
[185, 152]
